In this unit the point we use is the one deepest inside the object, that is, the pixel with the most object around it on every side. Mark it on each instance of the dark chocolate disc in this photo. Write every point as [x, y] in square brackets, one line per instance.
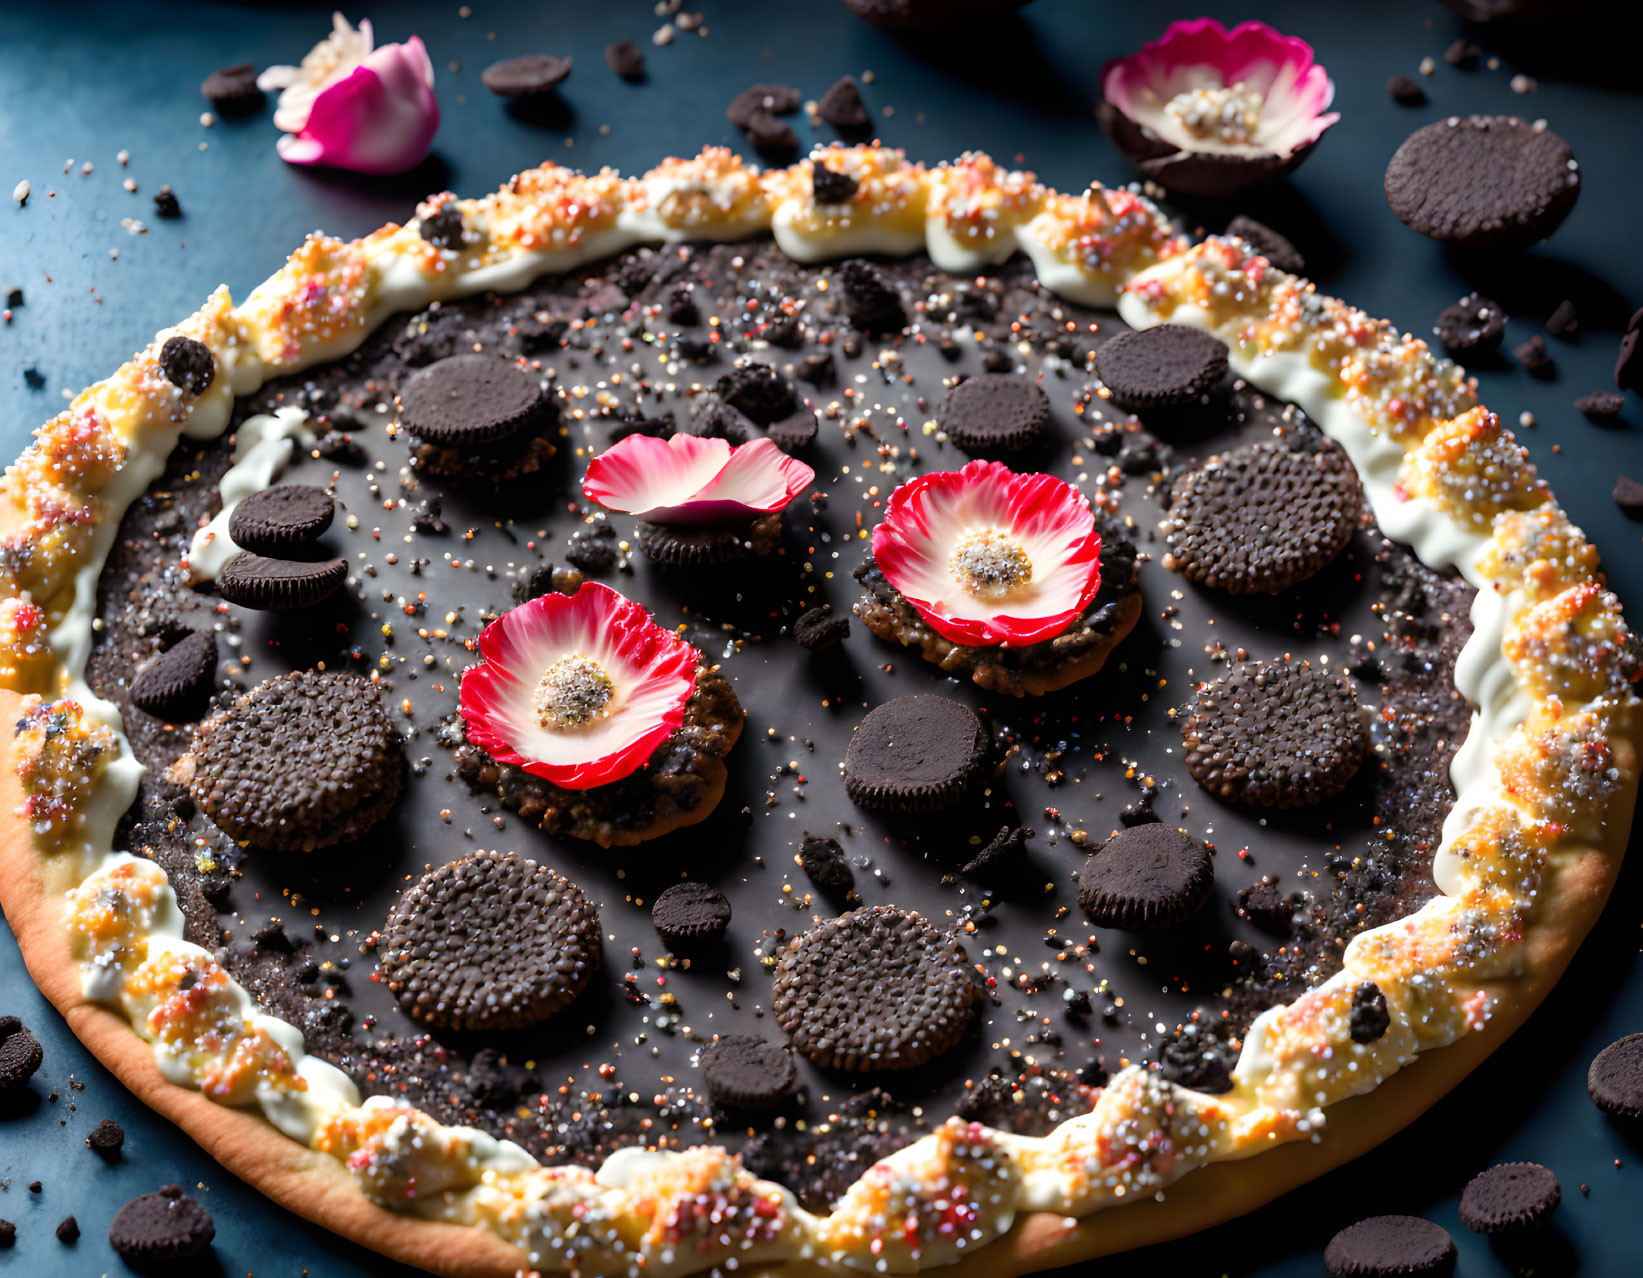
[278, 585]
[1146, 876]
[915, 754]
[1161, 367]
[994, 412]
[1391, 1247]
[1615, 1079]
[176, 684]
[744, 1072]
[281, 520]
[880, 988]
[690, 915]
[471, 399]
[1510, 1198]
[491, 941]
[527, 76]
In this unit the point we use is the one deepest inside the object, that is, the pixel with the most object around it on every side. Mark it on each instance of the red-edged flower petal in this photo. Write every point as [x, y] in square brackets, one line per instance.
[651, 672]
[1045, 518]
[690, 480]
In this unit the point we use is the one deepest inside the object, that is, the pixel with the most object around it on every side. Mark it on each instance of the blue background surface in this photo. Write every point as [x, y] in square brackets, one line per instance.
[85, 81]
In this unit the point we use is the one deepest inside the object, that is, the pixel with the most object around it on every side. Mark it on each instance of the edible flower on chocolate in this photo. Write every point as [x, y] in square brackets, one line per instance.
[352, 106]
[691, 481]
[987, 556]
[1207, 111]
[578, 689]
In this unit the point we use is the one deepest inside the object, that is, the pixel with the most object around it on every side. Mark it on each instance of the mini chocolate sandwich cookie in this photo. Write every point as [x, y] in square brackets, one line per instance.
[468, 400]
[1168, 366]
[302, 761]
[1391, 1247]
[153, 1232]
[282, 521]
[744, 1072]
[994, 413]
[177, 683]
[279, 585]
[880, 988]
[1262, 518]
[915, 754]
[1510, 1198]
[1615, 1079]
[491, 941]
[1275, 734]
[690, 915]
[1146, 876]
[683, 546]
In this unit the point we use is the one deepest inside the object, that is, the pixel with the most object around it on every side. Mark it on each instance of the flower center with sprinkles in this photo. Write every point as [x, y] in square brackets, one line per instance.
[989, 565]
[573, 691]
[1227, 114]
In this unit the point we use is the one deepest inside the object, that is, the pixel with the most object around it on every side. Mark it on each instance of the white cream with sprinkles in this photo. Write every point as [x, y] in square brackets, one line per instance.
[644, 1213]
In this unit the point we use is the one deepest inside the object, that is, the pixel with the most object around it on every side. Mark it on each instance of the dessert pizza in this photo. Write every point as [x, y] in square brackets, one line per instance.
[855, 717]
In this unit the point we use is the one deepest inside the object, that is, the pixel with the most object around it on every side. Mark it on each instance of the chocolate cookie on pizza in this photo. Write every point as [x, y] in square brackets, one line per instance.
[457, 789]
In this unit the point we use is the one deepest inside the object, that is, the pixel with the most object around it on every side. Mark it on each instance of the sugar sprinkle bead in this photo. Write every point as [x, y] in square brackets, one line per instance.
[20, 1054]
[279, 585]
[161, 1228]
[625, 58]
[304, 760]
[1391, 1247]
[528, 76]
[1263, 518]
[880, 988]
[187, 364]
[741, 1071]
[1615, 1079]
[176, 684]
[1474, 325]
[471, 399]
[773, 99]
[994, 413]
[1278, 734]
[1167, 366]
[1510, 1198]
[20, 192]
[919, 753]
[491, 941]
[1146, 877]
[690, 915]
[1268, 243]
[842, 107]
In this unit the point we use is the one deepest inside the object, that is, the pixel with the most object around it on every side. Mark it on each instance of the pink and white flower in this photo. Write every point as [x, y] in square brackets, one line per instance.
[578, 689]
[352, 106]
[1205, 111]
[987, 556]
[690, 481]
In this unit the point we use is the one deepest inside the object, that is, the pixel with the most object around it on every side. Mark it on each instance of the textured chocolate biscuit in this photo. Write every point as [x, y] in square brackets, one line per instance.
[1510, 1198]
[1483, 181]
[282, 520]
[1474, 325]
[994, 412]
[758, 391]
[20, 1054]
[876, 989]
[1259, 519]
[176, 684]
[153, 1232]
[106, 1139]
[472, 399]
[1391, 1247]
[824, 863]
[1167, 366]
[279, 585]
[690, 915]
[304, 760]
[1146, 876]
[1615, 1079]
[741, 1071]
[491, 941]
[915, 754]
[1280, 734]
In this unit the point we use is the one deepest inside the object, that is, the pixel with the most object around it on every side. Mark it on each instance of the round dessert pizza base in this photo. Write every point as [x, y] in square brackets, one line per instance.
[318, 1187]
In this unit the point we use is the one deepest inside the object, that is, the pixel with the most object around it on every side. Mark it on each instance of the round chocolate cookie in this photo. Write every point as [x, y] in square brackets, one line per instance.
[1510, 1198]
[744, 1072]
[1166, 366]
[187, 364]
[1473, 325]
[1391, 1247]
[1615, 1078]
[880, 988]
[471, 399]
[302, 761]
[20, 1054]
[994, 412]
[492, 941]
[281, 520]
[915, 754]
[279, 585]
[1483, 181]
[179, 680]
[1277, 734]
[1146, 876]
[527, 76]
[153, 1232]
[1262, 518]
[690, 915]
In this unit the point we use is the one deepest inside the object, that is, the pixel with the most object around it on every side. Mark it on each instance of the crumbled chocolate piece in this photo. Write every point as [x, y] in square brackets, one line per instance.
[830, 186]
[68, 1231]
[593, 550]
[1600, 405]
[165, 203]
[1563, 320]
[773, 139]
[106, 1139]
[1370, 1018]
[823, 861]
[1001, 858]
[1463, 54]
[1405, 92]
[1628, 493]
[820, 627]
[1535, 358]
[625, 59]
[842, 107]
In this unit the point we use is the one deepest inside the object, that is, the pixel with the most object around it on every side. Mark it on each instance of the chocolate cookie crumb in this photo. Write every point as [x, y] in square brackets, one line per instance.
[625, 59]
[820, 628]
[842, 107]
[1475, 324]
[1536, 360]
[1600, 405]
[1405, 92]
[106, 1139]
[823, 861]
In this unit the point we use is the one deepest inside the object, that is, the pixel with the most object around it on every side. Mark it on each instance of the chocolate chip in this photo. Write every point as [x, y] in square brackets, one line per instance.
[1370, 1018]
[625, 59]
[187, 364]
